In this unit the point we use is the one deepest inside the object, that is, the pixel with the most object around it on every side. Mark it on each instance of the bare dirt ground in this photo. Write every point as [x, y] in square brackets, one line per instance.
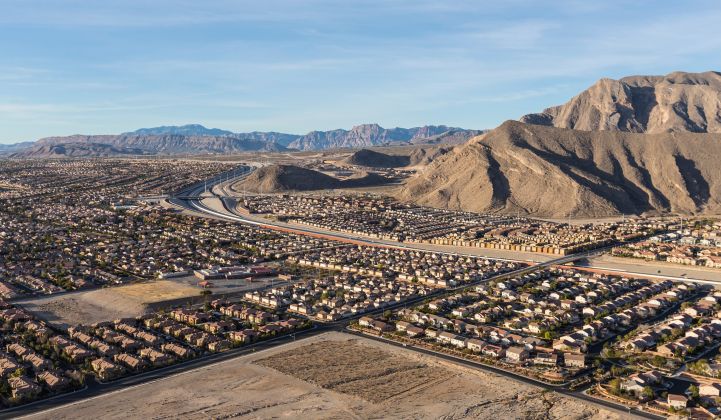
[106, 304]
[342, 377]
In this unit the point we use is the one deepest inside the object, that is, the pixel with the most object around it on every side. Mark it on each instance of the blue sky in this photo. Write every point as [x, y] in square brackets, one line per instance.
[103, 66]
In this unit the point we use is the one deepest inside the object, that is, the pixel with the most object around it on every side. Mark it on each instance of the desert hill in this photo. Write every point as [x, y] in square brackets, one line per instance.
[555, 172]
[75, 150]
[281, 178]
[373, 159]
[642, 104]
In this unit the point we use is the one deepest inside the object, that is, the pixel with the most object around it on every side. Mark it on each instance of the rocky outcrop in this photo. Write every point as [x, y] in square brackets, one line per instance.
[677, 102]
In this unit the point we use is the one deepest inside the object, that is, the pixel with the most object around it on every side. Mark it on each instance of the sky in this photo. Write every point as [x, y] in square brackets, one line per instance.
[106, 66]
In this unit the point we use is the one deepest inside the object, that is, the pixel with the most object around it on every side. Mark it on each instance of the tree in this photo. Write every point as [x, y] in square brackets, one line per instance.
[615, 385]
[658, 361]
[693, 390]
[647, 392]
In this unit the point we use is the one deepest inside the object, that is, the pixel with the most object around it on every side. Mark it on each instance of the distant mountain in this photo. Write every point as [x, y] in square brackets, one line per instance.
[12, 148]
[195, 138]
[75, 150]
[367, 135]
[171, 143]
[197, 130]
[183, 130]
[558, 172]
[676, 102]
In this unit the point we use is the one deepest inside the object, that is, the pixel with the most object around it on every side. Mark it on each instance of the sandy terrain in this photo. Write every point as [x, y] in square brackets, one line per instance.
[106, 304]
[401, 384]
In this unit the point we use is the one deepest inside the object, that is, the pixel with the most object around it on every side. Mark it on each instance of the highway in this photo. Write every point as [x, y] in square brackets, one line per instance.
[191, 199]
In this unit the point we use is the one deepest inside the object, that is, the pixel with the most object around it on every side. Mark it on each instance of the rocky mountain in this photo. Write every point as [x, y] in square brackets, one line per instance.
[75, 150]
[373, 159]
[642, 104]
[280, 178]
[367, 135]
[171, 143]
[183, 130]
[559, 172]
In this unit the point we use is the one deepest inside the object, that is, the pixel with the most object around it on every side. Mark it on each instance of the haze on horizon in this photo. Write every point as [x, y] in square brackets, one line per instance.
[107, 67]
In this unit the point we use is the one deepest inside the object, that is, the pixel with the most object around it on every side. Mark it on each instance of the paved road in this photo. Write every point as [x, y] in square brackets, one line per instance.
[189, 199]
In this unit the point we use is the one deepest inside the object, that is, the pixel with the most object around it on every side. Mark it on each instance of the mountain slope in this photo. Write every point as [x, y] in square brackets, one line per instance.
[554, 172]
[642, 104]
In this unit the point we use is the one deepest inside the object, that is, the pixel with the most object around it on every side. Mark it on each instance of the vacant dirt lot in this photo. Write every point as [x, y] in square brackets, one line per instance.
[344, 377]
[348, 367]
[106, 304]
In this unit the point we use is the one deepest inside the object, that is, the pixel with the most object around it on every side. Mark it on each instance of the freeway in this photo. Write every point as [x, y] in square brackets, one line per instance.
[192, 197]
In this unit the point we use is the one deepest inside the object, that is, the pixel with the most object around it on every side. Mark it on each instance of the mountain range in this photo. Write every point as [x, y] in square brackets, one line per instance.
[195, 138]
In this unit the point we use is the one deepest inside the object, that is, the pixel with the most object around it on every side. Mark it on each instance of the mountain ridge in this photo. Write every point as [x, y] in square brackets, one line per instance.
[678, 101]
